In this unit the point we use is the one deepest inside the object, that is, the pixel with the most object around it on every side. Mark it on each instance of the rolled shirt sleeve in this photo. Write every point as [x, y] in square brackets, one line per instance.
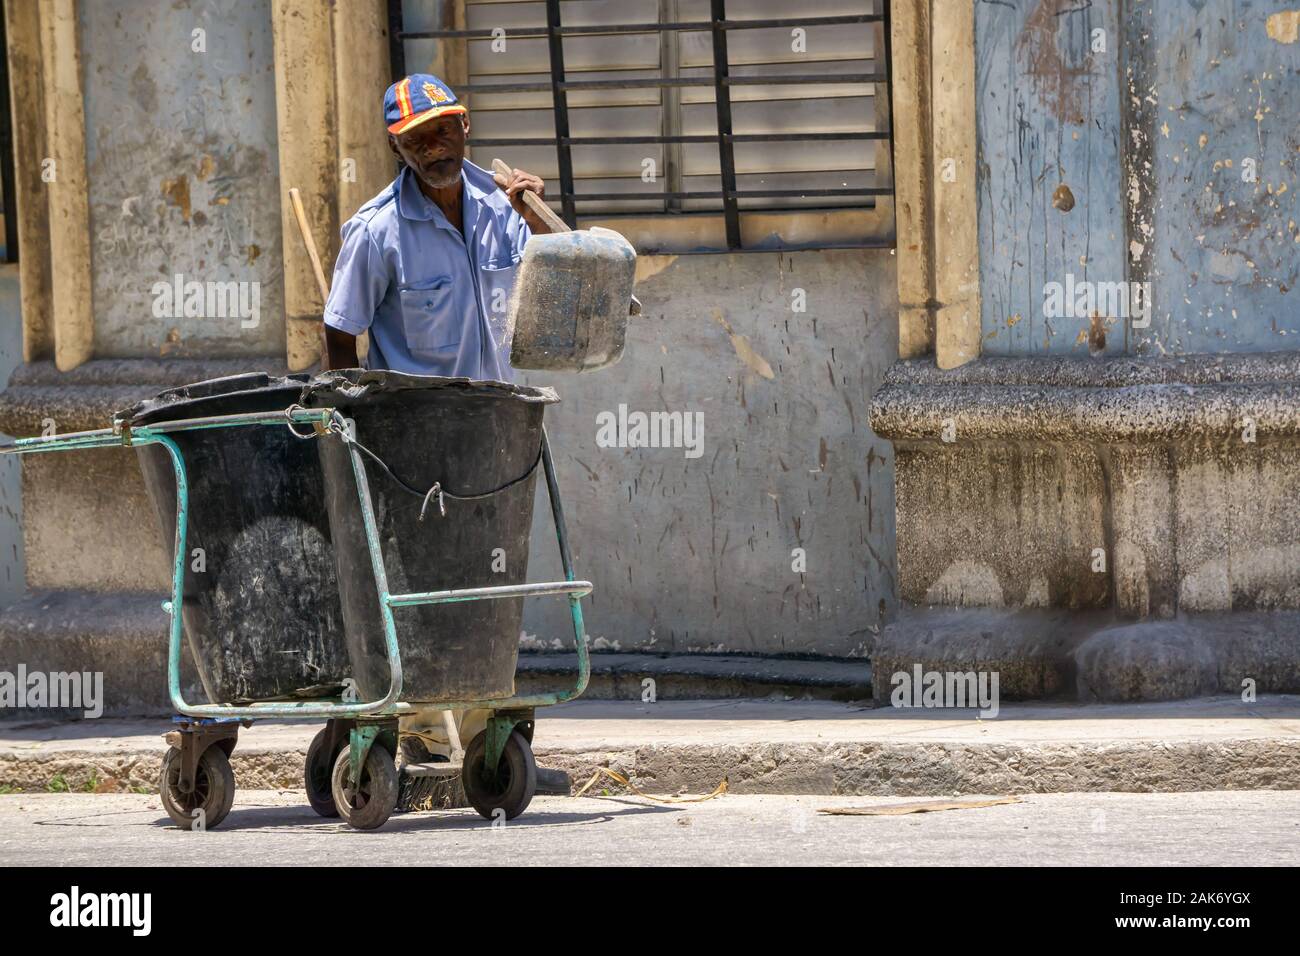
[361, 280]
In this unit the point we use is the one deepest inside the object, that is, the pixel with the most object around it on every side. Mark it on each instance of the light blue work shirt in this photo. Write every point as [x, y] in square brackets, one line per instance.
[433, 299]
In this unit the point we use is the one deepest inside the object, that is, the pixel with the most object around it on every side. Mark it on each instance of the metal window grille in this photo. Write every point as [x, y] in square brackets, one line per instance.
[729, 198]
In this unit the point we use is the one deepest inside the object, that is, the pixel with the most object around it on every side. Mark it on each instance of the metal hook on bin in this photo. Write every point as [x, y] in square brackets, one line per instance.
[436, 490]
[288, 417]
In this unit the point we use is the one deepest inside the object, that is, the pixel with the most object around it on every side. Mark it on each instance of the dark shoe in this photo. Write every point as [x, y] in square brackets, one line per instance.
[554, 783]
[415, 750]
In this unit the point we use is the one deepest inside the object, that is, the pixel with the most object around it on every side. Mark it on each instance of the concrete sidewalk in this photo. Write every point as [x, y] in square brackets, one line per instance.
[766, 746]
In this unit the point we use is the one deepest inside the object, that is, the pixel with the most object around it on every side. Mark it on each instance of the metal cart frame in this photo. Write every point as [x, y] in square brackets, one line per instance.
[203, 725]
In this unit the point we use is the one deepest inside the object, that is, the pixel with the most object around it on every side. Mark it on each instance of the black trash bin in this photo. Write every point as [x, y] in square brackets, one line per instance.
[480, 441]
[261, 611]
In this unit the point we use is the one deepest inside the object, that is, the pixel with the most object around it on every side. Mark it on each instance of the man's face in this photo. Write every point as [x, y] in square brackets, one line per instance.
[435, 149]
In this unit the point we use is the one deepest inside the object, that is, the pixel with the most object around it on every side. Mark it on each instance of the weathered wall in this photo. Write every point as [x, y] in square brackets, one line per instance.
[1227, 252]
[1112, 137]
[71, 543]
[1048, 126]
[689, 554]
[686, 553]
[181, 159]
[1000, 525]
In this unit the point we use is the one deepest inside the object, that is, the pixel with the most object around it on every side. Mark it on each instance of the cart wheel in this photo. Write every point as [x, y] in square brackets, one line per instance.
[317, 776]
[512, 789]
[214, 789]
[370, 806]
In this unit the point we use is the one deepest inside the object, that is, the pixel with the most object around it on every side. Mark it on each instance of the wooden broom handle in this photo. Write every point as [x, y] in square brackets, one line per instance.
[535, 202]
[295, 199]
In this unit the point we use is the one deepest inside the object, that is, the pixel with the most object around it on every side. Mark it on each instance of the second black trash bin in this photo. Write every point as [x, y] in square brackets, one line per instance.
[481, 442]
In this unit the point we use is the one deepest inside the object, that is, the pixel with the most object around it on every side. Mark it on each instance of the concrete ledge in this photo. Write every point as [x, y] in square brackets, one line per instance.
[699, 676]
[1151, 487]
[86, 397]
[1092, 657]
[1067, 371]
[810, 747]
[1031, 650]
[1080, 400]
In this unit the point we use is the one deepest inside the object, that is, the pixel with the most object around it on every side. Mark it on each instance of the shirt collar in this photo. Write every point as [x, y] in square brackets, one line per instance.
[412, 203]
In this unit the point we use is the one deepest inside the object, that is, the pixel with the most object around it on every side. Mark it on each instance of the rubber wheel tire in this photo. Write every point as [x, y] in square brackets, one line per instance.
[318, 776]
[371, 807]
[514, 785]
[214, 788]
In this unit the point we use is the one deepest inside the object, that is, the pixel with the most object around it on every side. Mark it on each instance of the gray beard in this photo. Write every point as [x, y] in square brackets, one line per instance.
[444, 183]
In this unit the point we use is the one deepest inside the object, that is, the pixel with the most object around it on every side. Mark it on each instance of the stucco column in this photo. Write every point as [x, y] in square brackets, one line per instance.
[64, 177]
[913, 175]
[309, 154]
[956, 224]
[933, 78]
[27, 108]
[361, 75]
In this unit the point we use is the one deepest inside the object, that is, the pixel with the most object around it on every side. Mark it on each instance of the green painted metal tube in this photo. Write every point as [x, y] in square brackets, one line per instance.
[566, 559]
[376, 559]
[104, 438]
[579, 588]
[303, 416]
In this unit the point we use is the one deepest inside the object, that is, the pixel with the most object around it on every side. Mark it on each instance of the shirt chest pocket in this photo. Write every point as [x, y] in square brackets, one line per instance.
[429, 317]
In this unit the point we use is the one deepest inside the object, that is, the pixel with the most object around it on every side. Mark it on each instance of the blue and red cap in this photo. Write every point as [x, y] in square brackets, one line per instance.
[416, 98]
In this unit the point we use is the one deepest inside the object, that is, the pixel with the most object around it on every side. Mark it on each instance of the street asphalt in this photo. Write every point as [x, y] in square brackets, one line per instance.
[276, 828]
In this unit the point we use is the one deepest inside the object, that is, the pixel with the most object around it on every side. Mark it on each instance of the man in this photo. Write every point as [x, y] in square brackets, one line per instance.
[427, 266]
